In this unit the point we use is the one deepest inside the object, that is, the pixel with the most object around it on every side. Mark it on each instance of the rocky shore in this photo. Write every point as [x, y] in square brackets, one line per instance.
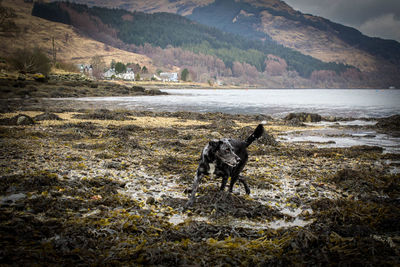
[102, 187]
[68, 85]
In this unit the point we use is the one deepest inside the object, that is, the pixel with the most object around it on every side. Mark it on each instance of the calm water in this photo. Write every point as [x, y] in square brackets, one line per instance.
[277, 103]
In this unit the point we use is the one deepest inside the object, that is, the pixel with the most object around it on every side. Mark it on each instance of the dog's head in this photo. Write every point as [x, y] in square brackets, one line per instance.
[224, 151]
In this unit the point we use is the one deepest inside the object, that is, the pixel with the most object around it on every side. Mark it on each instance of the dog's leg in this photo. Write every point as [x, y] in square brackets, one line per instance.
[234, 178]
[196, 184]
[246, 187]
[223, 183]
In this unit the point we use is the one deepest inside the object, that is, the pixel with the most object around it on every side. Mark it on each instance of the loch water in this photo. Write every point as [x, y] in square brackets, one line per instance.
[348, 103]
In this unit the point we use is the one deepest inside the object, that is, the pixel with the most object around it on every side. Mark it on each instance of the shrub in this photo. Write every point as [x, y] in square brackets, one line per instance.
[67, 66]
[185, 75]
[30, 61]
[120, 67]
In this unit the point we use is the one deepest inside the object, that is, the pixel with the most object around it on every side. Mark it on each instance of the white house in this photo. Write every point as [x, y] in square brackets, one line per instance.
[169, 76]
[127, 76]
[109, 74]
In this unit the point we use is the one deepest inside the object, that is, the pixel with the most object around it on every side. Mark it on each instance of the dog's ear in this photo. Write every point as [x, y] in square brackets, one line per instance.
[215, 143]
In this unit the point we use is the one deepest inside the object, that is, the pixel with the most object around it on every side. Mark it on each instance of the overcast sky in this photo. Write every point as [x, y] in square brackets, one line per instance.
[376, 18]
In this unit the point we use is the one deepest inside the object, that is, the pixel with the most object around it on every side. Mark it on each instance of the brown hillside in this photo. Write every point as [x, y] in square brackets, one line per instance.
[70, 45]
[306, 39]
[314, 42]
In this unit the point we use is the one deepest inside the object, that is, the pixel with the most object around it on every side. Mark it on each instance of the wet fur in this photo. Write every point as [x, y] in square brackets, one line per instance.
[224, 158]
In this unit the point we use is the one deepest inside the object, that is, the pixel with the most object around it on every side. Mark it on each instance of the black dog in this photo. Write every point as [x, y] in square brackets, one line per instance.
[224, 158]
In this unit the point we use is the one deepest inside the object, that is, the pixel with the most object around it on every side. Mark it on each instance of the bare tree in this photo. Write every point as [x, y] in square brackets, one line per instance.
[237, 69]
[98, 66]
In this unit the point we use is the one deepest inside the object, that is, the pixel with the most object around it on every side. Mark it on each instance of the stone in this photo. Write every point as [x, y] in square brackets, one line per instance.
[24, 120]
[216, 135]
[304, 117]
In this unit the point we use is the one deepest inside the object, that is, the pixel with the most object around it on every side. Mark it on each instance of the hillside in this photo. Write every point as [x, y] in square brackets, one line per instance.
[227, 54]
[71, 45]
[285, 25]
[274, 19]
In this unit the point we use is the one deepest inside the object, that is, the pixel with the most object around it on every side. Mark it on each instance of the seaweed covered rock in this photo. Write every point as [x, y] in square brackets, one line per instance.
[303, 117]
[361, 181]
[266, 138]
[24, 120]
[155, 92]
[20, 119]
[103, 114]
[136, 88]
[392, 123]
[47, 117]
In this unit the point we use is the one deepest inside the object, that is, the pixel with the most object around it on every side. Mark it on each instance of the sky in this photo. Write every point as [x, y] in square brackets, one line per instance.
[375, 18]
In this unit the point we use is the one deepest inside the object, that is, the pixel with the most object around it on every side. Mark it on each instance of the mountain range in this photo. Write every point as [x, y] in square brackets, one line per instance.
[308, 34]
[262, 42]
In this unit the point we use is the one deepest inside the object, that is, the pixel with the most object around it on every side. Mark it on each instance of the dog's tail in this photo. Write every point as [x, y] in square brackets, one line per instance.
[256, 134]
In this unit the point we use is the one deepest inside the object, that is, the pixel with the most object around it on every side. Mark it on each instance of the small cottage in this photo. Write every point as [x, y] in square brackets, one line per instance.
[127, 76]
[110, 74]
[169, 76]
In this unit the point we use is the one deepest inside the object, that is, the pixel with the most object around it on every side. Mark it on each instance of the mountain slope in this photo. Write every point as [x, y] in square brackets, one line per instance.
[71, 46]
[278, 20]
[165, 29]
[265, 19]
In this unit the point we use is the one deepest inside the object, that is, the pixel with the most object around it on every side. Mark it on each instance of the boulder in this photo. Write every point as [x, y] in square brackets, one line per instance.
[392, 122]
[304, 117]
[24, 120]
[47, 116]
[154, 92]
[20, 119]
[330, 118]
[295, 122]
[266, 138]
[138, 89]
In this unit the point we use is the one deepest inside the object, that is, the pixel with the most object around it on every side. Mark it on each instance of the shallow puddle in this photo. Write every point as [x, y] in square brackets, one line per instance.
[335, 137]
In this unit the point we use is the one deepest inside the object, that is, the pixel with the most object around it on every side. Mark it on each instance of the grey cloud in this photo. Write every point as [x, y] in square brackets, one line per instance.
[386, 26]
[354, 12]
[370, 16]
